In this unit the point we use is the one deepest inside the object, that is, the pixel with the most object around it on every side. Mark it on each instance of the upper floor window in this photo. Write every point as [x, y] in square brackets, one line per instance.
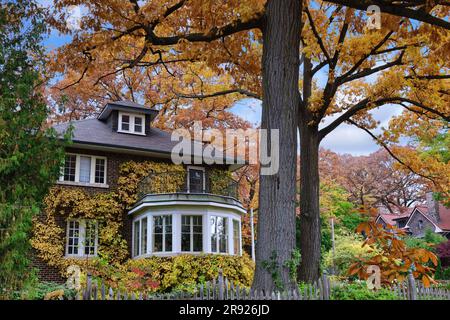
[82, 238]
[131, 123]
[84, 169]
[420, 224]
[196, 179]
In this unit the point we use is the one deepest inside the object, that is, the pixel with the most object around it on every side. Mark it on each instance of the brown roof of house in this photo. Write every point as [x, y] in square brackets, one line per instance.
[444, 214]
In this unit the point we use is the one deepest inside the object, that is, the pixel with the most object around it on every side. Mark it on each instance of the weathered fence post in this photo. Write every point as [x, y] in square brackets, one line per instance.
[87, 295]
[220, 284]
[325, 287]
[412, 294]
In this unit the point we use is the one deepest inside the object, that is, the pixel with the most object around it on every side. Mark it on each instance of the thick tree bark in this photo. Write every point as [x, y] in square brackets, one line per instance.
[276, 220]
[310, 237]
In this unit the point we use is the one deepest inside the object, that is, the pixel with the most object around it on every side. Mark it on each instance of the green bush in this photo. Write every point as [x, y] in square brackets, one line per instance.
[358, 291]
[429, 241]
[39, 290]
[178, 273]
[348, 248]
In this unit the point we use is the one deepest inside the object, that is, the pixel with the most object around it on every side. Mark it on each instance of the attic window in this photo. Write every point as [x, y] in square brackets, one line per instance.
[131, 123]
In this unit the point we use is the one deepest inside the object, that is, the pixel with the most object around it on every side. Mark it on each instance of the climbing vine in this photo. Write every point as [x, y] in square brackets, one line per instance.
[108, 209]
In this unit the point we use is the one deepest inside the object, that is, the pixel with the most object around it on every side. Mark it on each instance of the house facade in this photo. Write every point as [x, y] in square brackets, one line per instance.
[415, 221]
[195, 217]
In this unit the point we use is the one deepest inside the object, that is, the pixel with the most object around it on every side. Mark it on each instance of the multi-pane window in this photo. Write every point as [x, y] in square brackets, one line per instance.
[125, 124]
[82, 238]
[100, 170]
[136, 235]
[138, 124]
[84, 169]
[131, 123]
[69, 167]
[236, 237]
[191, 233]
[219, 238]
[143, 236]
[196, 180]
[162, 233]
[73, 237]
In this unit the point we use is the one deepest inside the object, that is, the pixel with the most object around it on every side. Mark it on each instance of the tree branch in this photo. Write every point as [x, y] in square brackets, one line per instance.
[401, 9]
[218, 93]
[390, 152]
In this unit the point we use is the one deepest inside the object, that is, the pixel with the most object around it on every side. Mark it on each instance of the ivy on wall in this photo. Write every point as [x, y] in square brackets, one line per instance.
[108, 209]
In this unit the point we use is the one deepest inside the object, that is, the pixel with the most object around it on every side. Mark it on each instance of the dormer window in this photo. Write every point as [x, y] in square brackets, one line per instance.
[131, 123]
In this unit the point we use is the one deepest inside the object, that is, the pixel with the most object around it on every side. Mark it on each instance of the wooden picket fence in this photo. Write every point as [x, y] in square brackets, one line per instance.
[217, 289]
[413, 290]
[223, 289]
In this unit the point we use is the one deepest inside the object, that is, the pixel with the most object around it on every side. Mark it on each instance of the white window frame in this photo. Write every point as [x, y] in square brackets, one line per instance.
[139, 242]
[191, 232]
[227, 235]
[131, 130]
[163, 233]
[81, 239]
[92, 173]
[239, 251]
[189, 176]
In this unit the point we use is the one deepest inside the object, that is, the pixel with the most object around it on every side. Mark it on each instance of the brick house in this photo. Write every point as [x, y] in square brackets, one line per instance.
[416, 220]
[193, 220]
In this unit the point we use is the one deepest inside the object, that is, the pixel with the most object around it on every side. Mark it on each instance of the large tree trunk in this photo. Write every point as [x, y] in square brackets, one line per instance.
[276, 220]
[310, 237]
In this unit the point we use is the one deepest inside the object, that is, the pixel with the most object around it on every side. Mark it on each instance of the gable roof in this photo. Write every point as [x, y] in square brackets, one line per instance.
[418, 211]
[391, 218]
[444, 214]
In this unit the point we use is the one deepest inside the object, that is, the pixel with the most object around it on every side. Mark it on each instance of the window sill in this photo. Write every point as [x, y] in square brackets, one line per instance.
[83, 184]
[79, 257]
[131, 132]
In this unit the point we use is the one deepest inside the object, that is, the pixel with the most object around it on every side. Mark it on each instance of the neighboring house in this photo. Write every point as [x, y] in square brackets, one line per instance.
[415, 221]
[192, 220]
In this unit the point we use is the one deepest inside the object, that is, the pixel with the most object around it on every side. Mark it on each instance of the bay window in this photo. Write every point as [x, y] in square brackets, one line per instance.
[191, 233]
[162, 233]
[236, 237]
[140, 237]
[219, 234]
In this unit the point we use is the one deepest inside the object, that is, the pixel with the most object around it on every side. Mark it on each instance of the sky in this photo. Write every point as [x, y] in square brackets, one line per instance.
[344, 139]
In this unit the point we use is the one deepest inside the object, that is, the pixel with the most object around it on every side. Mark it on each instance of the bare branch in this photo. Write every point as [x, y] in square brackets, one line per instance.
[218, 93]
[390, 152]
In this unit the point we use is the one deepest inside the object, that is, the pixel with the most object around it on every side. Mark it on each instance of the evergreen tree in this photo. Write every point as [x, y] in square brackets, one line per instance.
[30, 153]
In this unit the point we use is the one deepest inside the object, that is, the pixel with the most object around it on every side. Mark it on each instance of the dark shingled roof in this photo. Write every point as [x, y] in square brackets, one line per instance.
[93, 131]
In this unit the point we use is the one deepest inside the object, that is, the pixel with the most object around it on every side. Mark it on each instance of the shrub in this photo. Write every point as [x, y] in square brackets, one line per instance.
[178, 273]
[358, 291]
[39, 290]
[348, 247]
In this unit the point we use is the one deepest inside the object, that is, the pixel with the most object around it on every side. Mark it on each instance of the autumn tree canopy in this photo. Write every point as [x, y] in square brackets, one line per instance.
[205, 55]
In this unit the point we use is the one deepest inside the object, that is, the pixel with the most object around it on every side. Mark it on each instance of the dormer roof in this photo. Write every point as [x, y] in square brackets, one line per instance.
[127, 106]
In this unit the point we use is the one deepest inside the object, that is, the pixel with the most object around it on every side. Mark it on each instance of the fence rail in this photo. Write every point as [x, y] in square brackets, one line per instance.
[223, 289]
